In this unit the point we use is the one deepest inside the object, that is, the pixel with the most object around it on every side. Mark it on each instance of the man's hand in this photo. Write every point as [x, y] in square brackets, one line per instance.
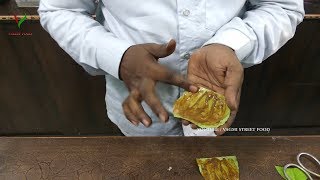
[140, 71]
[217, 67]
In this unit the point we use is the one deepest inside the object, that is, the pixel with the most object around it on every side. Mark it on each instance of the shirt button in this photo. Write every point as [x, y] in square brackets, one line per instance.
[186, 56]
[186, 12]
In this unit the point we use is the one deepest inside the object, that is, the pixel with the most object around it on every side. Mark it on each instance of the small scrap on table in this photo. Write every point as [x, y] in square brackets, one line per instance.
[219, 168]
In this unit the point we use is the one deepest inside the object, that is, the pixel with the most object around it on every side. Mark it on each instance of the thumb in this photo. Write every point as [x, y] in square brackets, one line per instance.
[230, 94]
[161, 50]
[233, 82]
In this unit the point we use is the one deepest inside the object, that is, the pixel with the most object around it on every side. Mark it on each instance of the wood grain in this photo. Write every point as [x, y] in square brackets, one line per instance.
[9, 7]
[144, 158]
[282, 92]
[44, 91]
[312, 6]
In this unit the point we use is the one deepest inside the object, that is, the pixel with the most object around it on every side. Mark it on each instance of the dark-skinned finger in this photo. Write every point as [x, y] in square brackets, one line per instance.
[221, 130]
[239, 96]
[201, 82]
[138, 111]
[193, 126]
[233, 83]
[149, 96]
[163, 74]
[185, 122]
[129, 115]
[161, 50]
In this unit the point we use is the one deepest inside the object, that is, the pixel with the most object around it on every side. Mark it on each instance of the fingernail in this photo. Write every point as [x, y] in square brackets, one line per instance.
[163, 117]
[145, 122]
[193, 88]
[185, 123]
[167, 45]
[135, 123]
[169, 42]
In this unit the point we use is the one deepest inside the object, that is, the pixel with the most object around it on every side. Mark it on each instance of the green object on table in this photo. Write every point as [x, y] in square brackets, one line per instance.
[293, 173]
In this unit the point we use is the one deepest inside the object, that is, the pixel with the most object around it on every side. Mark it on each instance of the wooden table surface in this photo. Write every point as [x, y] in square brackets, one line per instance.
[144, 157]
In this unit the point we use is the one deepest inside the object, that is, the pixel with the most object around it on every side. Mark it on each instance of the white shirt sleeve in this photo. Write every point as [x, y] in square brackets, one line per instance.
[263, 29]
[70, 24]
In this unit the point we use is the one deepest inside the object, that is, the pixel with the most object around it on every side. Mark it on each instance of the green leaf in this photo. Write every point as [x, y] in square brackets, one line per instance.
[293, 173]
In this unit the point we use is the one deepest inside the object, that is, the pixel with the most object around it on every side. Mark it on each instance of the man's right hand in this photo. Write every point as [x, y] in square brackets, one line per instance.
[140, 71]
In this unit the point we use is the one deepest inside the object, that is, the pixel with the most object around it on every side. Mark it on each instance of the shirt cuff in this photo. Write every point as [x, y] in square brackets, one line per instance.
[109, 58]
[234, 39]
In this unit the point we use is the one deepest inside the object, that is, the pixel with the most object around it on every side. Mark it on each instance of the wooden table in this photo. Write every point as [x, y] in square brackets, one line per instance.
[144, 157]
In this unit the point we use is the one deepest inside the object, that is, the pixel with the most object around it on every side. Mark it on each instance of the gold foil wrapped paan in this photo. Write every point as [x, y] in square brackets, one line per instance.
[219, 168]
[206, 108]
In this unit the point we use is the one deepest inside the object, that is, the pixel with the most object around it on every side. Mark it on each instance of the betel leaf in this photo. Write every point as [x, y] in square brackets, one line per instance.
[293, 173]
[225, 167]
[206, 108]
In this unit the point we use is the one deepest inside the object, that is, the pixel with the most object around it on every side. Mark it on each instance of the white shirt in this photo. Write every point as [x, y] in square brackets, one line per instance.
[255, 29]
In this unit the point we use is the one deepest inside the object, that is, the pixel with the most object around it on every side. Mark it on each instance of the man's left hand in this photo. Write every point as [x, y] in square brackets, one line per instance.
[217, 67]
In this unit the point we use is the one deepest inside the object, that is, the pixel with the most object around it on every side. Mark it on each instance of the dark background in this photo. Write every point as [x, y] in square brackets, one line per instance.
[44, 92]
